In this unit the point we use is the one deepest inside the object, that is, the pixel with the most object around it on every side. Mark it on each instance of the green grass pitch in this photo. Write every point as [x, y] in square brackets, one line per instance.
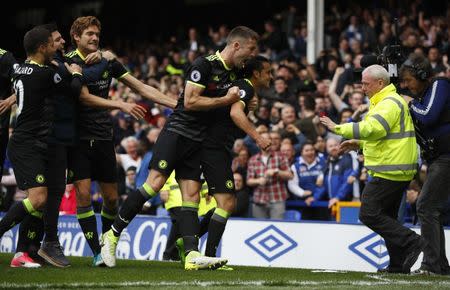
[132, 274]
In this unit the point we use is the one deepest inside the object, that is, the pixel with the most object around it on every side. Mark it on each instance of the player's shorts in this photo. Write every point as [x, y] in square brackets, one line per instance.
[29, 161]
[216, 167]
[173, 151]
[93, 159]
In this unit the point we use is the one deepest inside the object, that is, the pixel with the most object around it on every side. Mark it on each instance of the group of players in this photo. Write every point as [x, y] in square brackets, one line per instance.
[64, 133]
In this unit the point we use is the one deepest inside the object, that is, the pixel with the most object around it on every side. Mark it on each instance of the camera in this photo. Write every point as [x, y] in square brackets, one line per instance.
[391, 58]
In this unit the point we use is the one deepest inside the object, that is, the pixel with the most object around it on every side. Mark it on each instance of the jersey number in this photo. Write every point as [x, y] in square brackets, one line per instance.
[18, 88]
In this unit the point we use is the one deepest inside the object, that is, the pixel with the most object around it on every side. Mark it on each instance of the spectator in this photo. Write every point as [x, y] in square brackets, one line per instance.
[267, 173]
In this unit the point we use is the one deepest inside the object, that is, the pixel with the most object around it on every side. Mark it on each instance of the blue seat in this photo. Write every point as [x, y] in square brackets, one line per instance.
[292, 215]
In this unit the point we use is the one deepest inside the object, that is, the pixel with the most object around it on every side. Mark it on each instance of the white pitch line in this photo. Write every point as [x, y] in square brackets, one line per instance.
[222, 283]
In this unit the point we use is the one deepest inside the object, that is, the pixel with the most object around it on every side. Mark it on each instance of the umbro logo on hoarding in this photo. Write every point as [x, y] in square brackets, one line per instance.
[271, 243]
[372, 249]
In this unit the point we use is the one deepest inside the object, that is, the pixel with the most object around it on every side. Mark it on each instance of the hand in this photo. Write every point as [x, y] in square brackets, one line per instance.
[109, 55]
[293, 129]
[262, 181]
[332, 202]
[263, 143]
[73, 68]
[93, 57]
[164, 195]
[233, 95]
[349, 145]
[361, 110]
[351, 179]
[327, 122]
[339, 70]
[309, 201]
[307, 193]
[271, 172]
[7, 103]
[319, 180]
[407, 98]
[138, 112]
[253, 104]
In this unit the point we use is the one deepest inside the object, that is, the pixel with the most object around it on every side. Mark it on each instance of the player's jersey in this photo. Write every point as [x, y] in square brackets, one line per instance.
[222, 131]
[65, 106]
[7, 64]
[34, 86]
[213, 75]
[95, 123]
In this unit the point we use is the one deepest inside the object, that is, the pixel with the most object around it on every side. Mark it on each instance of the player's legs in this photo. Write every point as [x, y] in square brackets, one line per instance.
[51, 250]
[110, 203]
[216, 165]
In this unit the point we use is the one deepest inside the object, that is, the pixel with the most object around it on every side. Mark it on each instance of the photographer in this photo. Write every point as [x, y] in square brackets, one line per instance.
[430, 110]
[386, 135]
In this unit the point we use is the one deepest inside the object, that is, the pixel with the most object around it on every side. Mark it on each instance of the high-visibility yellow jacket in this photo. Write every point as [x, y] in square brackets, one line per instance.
[387, 136]
[175, 199]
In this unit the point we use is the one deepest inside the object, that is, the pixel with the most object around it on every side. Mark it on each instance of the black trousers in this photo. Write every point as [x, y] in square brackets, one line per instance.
[380, 202]
[431, 208]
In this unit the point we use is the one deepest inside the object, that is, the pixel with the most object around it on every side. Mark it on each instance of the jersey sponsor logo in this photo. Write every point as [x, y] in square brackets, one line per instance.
[162, 164]
[196, 75]
[242, 94]
[229, 184]
[40, 178]
[57, 78]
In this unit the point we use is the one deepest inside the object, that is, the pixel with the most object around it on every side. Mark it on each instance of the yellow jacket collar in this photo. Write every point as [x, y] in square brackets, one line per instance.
[386, 91]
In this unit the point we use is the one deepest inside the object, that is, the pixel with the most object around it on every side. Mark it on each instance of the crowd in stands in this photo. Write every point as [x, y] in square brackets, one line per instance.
[289, 111]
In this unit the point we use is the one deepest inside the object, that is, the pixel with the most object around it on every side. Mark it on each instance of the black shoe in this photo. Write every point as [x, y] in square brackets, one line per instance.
[53, 253]
[423, 272]
[445, 271]
[412, 254]
[389, 270]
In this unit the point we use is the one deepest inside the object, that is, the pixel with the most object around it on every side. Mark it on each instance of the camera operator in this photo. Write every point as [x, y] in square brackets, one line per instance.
[430, 110]
[386, 135]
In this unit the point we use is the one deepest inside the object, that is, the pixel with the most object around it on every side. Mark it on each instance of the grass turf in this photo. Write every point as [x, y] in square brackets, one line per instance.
[168, 275]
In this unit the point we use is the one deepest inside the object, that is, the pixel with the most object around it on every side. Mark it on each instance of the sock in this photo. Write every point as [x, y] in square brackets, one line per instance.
[189, 226]
[15, 215]
[88, 223]
[31, 231]
[215, 231]
[204, 223]
[131, 207]
[51, 214]
[108, 217]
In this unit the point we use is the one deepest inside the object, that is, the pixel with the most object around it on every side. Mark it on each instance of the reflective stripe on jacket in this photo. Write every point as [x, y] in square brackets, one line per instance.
[387, 134]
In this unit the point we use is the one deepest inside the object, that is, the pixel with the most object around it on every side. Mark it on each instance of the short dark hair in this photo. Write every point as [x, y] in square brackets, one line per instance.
[52, 27]
[242, 32]
[254, 64]
[418, 65]
[34, 38]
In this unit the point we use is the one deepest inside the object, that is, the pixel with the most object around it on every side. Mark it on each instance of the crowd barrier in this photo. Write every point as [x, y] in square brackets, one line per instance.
[252, 242]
